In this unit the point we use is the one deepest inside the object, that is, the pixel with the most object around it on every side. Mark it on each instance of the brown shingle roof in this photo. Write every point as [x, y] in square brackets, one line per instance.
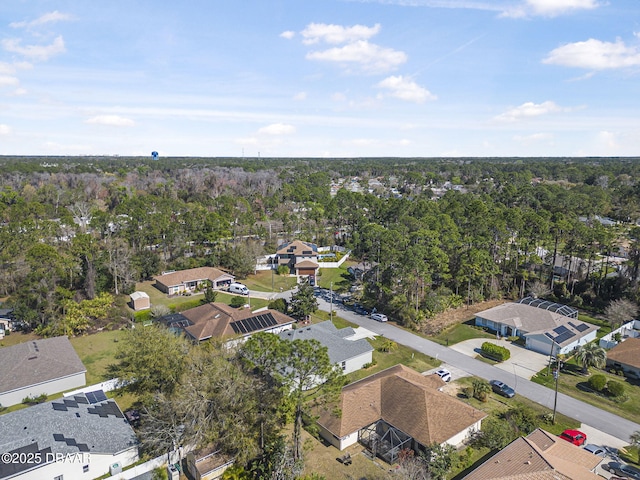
[190, 275]
[539, 456]
[405, 399]
[297, 247]
[627, 352]
[37, 361]
[214, 320]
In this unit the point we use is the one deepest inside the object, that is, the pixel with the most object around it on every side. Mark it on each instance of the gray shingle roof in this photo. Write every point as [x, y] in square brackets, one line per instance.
[340, 349]
[37, 361]
[73, 426]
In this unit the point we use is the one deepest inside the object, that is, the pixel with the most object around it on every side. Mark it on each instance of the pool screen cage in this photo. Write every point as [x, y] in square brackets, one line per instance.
[384, 440]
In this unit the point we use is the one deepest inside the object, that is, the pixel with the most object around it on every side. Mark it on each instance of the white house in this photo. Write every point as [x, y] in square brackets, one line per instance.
[395, 409]
[545, 331]
[350, 355]
[38, 367]
[75, 438]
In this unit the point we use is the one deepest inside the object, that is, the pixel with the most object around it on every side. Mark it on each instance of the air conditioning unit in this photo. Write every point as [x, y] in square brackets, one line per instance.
[174, 473]
[115, 468]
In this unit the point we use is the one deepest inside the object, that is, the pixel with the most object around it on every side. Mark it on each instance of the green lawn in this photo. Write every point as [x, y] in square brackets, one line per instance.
[97, 352]
[269, 281]
[459, 333]
[573, 383]
[341, 279]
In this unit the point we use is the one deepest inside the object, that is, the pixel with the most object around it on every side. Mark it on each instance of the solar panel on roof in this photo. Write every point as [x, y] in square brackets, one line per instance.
[83, 447]
[564, 336]
[60, 407]
[91, 397]
[58, 437]
[81, 399]
[100, 396]
[560, 330]
[70, 403]
[582, 327]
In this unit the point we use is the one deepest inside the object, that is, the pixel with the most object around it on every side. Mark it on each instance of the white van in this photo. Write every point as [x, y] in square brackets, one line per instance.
[238, 288]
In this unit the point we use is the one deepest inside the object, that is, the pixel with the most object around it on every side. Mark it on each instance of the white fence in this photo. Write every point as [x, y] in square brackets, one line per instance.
[628, 330]
[105, 386]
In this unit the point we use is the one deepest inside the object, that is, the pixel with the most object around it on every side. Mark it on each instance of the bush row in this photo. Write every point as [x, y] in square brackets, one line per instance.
[495, 352]
[600, 384]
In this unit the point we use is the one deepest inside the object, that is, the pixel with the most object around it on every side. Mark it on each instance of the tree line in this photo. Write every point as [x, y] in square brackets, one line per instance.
[74, 228]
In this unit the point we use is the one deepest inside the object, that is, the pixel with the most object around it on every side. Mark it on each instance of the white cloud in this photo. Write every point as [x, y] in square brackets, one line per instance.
[50, 17]
[288, 34]
[533, 138]
[4, 129]
[337, 34]
[406, 89]
[607, 139]
[111, 120]
[277, 129]
[369, 57]
[338, 97]
[557, 7]
[529, 110]
[20, 91]
[36, 52]
[595, 54]
[300, 96]
[8, 81]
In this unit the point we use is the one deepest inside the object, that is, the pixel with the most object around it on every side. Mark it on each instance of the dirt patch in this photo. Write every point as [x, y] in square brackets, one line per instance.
[451, 317]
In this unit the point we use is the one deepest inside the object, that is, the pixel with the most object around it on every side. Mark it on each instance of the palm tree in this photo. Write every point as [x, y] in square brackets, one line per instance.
[591, 355]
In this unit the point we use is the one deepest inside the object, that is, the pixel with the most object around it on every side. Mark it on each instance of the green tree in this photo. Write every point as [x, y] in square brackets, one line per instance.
[481, 389]
[150, 360]
[210, 295]
[303, 303]
[591, 355]
[303, 369]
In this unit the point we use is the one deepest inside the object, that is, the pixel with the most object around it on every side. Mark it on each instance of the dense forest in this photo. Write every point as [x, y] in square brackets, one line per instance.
[430, 233]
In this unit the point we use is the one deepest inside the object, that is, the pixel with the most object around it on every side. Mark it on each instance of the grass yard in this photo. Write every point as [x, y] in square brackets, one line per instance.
[14, 338]
[341, 279]
[97, 352]
[269, 281]
[573, 383]
[497, 404]
[460, 332]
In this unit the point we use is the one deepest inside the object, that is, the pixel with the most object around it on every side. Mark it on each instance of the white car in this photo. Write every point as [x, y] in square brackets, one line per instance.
[596, 450]
[379, 317]
[444, 374]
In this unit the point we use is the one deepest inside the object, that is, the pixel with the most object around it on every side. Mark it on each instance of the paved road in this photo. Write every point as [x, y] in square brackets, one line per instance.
[583, 412]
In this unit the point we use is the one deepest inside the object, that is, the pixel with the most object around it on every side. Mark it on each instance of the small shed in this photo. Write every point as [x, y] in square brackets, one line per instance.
[140, 301]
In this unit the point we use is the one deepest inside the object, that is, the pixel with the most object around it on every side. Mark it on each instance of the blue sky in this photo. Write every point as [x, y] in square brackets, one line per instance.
[320, 78]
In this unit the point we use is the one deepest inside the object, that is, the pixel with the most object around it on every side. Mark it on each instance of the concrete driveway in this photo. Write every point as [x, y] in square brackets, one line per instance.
[523, 363]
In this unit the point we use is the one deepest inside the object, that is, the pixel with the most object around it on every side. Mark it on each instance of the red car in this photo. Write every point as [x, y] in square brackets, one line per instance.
[574, 436]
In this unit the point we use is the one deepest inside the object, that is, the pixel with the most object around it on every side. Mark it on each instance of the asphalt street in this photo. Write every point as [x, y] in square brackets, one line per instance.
[583, 412]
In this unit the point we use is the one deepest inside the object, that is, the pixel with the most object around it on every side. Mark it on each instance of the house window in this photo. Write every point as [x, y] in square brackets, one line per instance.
[344, 366]
[85, 468]
[59, 477]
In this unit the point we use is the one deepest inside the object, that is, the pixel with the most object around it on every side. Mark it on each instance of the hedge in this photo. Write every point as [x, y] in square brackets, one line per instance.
[495, 352]
[598, 382]
[615, 389]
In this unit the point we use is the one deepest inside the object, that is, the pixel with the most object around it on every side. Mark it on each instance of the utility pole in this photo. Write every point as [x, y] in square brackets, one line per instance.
[556, 374]
[331, 295]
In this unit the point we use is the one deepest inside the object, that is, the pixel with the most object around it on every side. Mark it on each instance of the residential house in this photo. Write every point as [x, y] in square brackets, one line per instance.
[538, 456]
[39, 367]
[219, 320]
[300, 257]
[80, 437]
[173, 283]
[544, 330]
[208, 463]
[140, 301]
[625, 356]
[395, 409]
[349, 354]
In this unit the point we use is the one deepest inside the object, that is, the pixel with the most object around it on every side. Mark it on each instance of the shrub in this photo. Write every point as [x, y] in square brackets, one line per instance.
[237, 302]
[467, 392]
[282, 270]
[496, 352]
[615, 389]
[598, 382]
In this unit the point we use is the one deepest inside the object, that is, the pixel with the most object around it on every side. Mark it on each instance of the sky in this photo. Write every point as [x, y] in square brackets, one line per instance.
[320, 78]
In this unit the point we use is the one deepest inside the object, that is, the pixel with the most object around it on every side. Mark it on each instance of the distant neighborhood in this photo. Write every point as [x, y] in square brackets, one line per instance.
[307, 319]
